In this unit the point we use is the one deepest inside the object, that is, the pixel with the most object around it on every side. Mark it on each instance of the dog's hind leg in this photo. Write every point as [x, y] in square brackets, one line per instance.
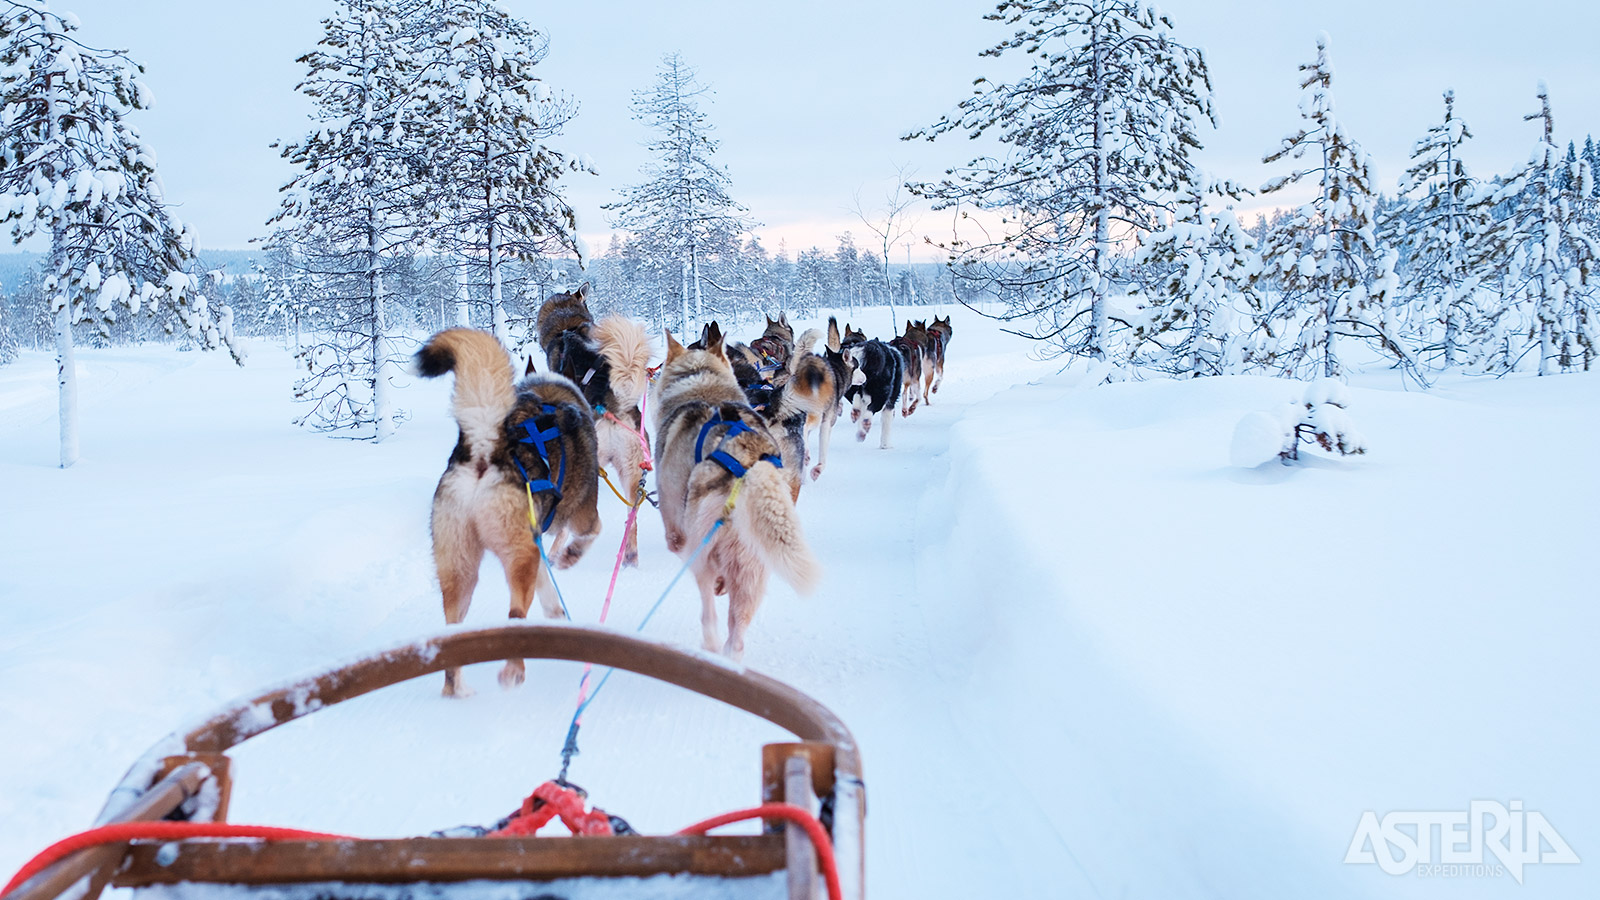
[707, 582]
[633, 483]
[457, 552]
[523, 573]
[745, 590]
[824, 433]
[580, 531]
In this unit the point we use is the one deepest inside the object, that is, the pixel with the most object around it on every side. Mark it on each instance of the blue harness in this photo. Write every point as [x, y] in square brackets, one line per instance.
[539, 441]
[722, 457]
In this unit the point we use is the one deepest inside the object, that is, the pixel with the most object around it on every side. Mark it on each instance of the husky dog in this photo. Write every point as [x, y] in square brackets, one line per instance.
[511, 437]
[939, 335]
[712, 452]
[876, 375]
[609, 361]
[815, 383]
[775, 345]
[910, 347]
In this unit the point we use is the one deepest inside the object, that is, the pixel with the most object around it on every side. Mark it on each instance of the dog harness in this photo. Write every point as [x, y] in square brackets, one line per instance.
[539, 440]
[722, 457]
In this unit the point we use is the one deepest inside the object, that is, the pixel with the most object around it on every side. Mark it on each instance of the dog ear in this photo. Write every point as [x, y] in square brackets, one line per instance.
[674, 349]
[583, 293]
[714, 340]
[833, 334]
[783, 318]
[530, 370]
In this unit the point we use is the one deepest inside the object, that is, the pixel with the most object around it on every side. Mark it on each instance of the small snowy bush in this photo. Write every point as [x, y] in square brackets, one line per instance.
[1319, 418]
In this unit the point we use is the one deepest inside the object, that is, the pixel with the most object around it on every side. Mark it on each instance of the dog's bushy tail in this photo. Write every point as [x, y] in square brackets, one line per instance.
[808, 339]
[626, 346]
[765, 517]
[483, 394]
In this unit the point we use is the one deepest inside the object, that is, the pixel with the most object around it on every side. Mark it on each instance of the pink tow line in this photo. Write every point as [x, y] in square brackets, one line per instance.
[633, 517]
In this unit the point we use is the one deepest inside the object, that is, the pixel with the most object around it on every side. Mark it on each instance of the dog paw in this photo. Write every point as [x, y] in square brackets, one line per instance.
[566, 558]
[674, 540]
[720, 588]
[513, 675]
[855, 415]
[816, 472]
[631, 558]
[456, 690]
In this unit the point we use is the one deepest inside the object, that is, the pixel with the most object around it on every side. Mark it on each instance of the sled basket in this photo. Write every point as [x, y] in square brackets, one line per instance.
[191, 771]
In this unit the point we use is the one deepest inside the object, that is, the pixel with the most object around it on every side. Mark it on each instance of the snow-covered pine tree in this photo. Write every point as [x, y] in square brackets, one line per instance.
[492, 119]
[73, 168]
[358, 198]
[1200, 276]
[1437, 227]
[1552, 247]
[683, 209]
[8, 338]
[1331, 276]
[1098, 133]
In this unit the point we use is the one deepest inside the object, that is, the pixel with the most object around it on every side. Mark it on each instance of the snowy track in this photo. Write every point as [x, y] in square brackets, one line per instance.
[1053, 618]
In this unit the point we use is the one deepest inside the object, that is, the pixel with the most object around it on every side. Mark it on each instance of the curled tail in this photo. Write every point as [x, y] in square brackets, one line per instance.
[808, 339]
[626, 346]
[483, 394]
[765, 517]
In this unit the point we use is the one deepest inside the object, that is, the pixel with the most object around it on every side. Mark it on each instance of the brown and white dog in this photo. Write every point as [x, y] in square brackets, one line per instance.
[482, 501]
[939, 335]
[775, 345]
[713, 451]
[609, 361]
[910, 346]
[814, 383]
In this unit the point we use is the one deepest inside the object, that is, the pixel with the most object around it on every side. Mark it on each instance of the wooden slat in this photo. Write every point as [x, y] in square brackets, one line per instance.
[750, 691]
[221, 772]
[774, 757]
[167, 795]
[801, 855]
[453, 859]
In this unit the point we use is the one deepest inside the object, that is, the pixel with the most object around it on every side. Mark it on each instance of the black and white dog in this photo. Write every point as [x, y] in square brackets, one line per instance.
[876, 374]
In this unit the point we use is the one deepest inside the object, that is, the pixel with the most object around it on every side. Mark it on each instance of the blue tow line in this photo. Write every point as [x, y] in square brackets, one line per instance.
[570, 748]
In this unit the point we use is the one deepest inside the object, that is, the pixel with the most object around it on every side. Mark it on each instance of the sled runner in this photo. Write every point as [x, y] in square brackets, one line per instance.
[165, 825]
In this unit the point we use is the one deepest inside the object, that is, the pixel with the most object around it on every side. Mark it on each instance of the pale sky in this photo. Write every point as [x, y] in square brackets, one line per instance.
[810, 100]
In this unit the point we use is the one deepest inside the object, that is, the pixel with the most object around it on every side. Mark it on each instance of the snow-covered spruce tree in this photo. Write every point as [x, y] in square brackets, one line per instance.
[492, 118]
[1098, 136]
[356, 201]
[1552, 247]
[8, 338]
[71, 167]
[1437, 228]
[1200, 274]
[683, 210]
[1332, 278]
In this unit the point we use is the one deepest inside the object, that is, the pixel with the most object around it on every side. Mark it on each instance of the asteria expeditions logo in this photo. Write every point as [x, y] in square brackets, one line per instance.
[1403, 842]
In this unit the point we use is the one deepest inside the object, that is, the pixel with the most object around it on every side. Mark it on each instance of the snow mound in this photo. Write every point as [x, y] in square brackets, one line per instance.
[1258, 438]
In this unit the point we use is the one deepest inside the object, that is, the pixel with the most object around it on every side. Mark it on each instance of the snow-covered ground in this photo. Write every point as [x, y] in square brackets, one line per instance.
[1083, 656]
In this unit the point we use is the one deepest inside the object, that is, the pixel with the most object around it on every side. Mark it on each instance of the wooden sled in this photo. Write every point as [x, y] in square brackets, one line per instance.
[191, 772]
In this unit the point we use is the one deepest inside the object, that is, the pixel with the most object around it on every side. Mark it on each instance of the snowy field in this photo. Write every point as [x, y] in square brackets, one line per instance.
[1083, 655]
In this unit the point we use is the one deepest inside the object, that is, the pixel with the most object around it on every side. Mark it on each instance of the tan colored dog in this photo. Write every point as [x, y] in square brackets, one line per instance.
[705, 435]
[482, 503]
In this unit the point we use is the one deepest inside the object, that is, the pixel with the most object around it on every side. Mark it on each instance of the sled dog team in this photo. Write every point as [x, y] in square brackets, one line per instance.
[730, 422]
